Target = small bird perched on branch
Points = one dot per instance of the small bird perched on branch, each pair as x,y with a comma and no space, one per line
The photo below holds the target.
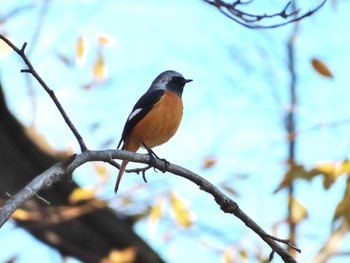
155,117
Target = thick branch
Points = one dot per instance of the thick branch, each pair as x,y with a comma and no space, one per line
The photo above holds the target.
41,182
56,172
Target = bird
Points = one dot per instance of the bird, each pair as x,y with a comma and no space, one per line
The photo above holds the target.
155,117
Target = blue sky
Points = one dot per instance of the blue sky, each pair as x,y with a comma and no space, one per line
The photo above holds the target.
233,109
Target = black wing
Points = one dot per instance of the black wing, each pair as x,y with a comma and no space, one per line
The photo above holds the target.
144,105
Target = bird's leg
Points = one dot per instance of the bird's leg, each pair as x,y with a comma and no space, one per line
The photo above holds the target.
153,157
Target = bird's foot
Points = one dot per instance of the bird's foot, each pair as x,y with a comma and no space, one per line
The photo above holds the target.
153,156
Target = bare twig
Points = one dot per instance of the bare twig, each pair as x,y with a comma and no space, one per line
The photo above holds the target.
254,21
31,70
56,172
285,241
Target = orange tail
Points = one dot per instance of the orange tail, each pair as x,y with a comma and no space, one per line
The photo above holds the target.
120,175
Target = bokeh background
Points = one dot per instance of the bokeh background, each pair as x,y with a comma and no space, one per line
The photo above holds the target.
100,56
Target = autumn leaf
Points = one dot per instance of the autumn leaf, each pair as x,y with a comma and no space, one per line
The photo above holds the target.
321,68
105,39
23,215
180,211
80,50
229,189
343,207
227,255
127,255
4,48
295,171
298,212
208,162
81,194
155,214
331,171
99,68
101,170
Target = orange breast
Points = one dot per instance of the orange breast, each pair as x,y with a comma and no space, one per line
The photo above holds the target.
160,124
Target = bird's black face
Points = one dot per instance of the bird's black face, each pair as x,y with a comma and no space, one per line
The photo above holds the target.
176,84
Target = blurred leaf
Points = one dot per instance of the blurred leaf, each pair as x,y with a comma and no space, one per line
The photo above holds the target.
299,211
105,39
64,59
343,208
227,255
229,189
89,85
243,254
99,68
101,170
127,255
155,214
81,194
180,211
295,171
321,68
80,50
208,162
23,215
4,48
331,171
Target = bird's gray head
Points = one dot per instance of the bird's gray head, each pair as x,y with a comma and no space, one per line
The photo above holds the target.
170,80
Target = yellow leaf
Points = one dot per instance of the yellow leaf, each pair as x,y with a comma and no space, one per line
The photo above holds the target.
345,167
23,215
331,171
99,69
104,39
155,215
180,211
80,50
321,68
343,208
127,255
243,254
227,255
101,170
208,162
299,211
4,48
81,194
295,171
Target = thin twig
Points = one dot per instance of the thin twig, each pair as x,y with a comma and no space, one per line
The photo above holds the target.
284,241
31,70
249,20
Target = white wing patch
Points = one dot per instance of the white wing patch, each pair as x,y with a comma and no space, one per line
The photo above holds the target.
134,113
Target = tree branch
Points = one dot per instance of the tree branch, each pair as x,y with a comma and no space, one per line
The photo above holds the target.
56,172
30,69
254,21
331,246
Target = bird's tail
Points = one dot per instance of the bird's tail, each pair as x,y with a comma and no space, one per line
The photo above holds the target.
120,175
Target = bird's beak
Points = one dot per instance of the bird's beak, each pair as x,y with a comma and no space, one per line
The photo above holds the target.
188,80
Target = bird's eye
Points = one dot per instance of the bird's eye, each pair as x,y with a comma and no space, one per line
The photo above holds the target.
176,79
